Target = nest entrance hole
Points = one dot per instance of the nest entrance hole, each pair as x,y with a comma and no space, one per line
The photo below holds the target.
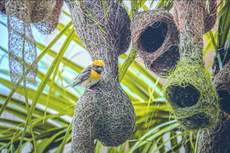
180,96
225,101
153,36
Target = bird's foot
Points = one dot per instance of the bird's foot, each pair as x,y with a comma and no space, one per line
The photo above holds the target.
93,91
101,79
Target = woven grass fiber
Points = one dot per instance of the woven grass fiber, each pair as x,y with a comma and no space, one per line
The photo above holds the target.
156,37
22,46
216,140
209,14
222,83
189,90
109,115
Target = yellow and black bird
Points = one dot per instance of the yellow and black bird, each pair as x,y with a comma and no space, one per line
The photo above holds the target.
89,76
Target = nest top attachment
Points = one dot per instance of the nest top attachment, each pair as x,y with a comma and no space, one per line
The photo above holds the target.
113,24
156,37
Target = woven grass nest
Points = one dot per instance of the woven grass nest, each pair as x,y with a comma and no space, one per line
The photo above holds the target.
156,37
189,90
191,94
44,15
222,83
109,116
216,140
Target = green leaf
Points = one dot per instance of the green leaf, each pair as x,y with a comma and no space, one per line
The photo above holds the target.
42,85
47,141
64,141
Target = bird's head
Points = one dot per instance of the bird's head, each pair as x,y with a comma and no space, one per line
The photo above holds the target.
98,66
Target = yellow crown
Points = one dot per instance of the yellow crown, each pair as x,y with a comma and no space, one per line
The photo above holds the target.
98,62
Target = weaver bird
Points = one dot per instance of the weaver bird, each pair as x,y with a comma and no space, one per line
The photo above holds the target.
89,76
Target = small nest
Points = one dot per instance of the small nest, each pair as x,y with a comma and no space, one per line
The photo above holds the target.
222,83
44,14
191,95
216,140
156,37
2,7
22,46
37,10
41,10
48,25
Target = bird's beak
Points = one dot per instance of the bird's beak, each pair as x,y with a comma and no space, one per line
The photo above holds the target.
101,68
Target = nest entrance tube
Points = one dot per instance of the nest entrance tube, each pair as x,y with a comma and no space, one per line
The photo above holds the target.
153,37
188,96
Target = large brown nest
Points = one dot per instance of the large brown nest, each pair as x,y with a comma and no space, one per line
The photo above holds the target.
108,116
216,140
156,37
222,83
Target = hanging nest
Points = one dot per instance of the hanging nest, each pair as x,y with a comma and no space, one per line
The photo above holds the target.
216,140
37,10
222,79
2,7
22,46
109,115
156,37
40,9
44,14
222,83
189,90
191,94
48,25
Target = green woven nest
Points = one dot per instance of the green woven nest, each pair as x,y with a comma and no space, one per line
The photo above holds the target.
191,94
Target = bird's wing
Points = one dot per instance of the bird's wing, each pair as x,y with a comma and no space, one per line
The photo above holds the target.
85,74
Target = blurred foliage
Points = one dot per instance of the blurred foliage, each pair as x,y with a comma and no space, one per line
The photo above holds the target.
48,129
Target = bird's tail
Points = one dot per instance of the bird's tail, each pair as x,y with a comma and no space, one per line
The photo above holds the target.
69,85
